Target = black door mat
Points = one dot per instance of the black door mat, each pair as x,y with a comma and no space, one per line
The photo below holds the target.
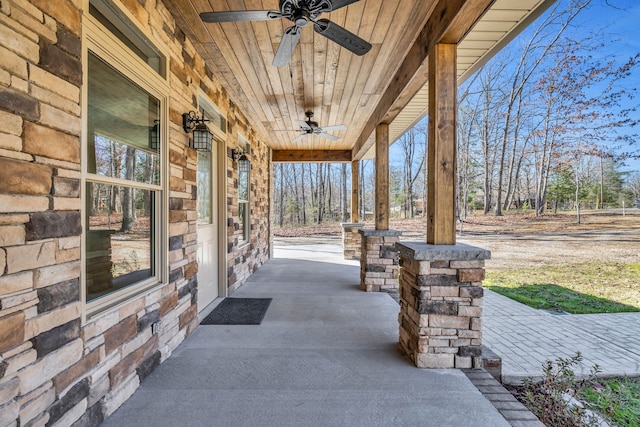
238,311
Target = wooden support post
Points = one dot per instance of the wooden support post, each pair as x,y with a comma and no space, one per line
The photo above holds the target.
355,191
382,177
441,172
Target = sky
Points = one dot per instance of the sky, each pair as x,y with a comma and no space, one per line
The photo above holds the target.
616,20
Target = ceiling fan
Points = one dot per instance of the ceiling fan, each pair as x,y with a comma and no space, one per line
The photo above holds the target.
300,12
309,127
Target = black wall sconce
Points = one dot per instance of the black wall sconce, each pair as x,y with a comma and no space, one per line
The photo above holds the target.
201,135
154,136
244,165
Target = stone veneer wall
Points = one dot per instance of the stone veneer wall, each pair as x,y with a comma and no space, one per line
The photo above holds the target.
351,240
379,260
441,304
244,258
55,368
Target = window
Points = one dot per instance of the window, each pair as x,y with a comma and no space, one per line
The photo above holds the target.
204,188
122,168
216,121
217,124
243,197
125,31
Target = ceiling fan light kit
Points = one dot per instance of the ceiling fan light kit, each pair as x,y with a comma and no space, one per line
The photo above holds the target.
300,12
309,127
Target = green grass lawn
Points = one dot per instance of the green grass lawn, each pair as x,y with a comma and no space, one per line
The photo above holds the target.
581,288
617,398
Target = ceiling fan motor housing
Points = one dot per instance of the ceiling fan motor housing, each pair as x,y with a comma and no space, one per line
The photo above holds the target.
300,12
303,11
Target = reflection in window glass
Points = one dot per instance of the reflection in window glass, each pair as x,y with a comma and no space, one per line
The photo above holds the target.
123,124
243,185
204,187
243,204
242,220
120,237
117,160
214,118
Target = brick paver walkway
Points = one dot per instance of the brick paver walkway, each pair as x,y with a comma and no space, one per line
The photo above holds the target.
525,337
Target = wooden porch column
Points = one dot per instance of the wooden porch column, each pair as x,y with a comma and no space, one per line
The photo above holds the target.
379,259
355,191
441,162
382,177
351,239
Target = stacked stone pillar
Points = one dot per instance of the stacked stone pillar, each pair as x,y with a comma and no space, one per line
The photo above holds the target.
379,260
441,304
351,241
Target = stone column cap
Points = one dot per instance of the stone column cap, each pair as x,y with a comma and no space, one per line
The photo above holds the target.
370,232
419,251
352,224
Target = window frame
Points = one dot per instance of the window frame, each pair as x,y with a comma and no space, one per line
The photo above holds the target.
98,40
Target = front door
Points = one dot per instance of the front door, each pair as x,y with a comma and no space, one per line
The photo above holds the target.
207,228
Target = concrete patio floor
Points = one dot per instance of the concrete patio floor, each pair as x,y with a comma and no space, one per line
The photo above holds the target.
325,354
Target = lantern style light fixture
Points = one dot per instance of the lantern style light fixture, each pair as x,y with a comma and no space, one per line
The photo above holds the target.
154,136
244,164
201,135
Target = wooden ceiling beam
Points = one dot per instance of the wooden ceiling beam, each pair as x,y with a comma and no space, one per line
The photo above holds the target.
449,22
311,156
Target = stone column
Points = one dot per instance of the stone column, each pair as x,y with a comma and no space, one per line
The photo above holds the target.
379,260
351,241
441,304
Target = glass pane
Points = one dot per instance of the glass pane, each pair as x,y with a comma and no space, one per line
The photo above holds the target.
216,119
118,160
243,185
123,125
120,238
204,187
242,219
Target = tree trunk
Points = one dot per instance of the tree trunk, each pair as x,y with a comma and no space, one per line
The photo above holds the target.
304,196
128,194
320,193
345,213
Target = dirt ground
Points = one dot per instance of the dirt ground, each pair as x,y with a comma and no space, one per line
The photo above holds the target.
522,240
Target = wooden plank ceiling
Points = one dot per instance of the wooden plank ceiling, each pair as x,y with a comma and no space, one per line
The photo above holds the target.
500,24
337,85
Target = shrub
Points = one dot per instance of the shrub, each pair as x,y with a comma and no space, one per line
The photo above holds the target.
552,400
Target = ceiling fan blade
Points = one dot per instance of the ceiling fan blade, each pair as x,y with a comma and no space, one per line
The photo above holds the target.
300,137
287,44
337,4
334,127
304,125
326,135
240,15
342,36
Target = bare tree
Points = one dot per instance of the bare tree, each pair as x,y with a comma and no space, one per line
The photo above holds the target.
413,146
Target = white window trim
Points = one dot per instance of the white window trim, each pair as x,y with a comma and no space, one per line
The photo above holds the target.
107,46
